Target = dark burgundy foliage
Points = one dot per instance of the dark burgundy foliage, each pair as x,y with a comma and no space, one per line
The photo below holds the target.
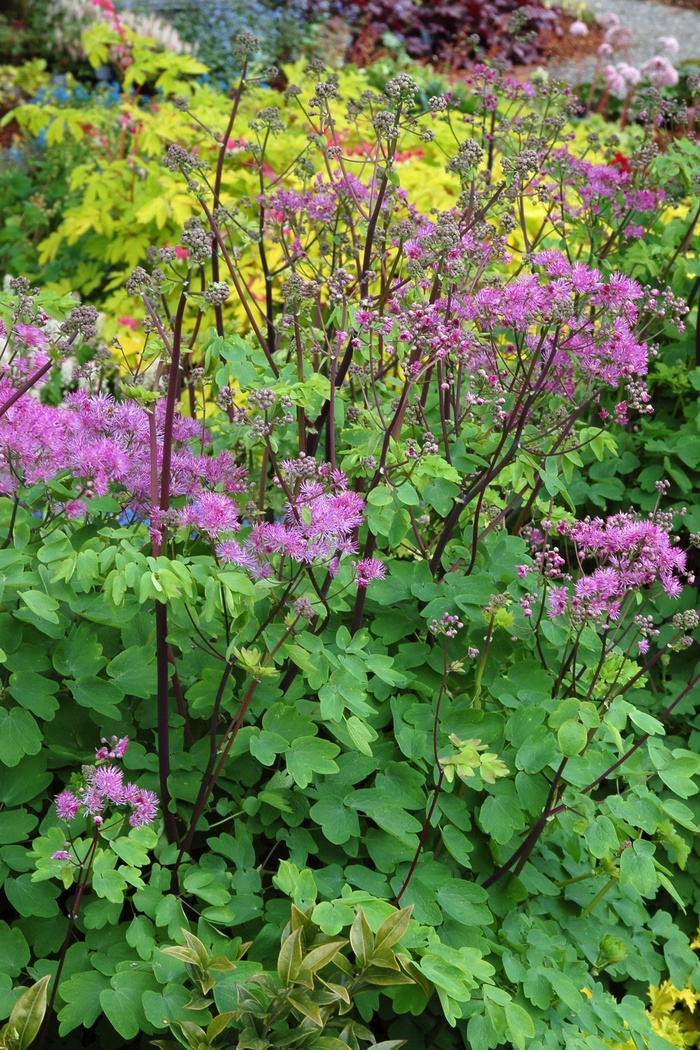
445,31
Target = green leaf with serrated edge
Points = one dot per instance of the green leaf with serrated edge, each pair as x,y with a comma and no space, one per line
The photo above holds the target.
28,1013
290,958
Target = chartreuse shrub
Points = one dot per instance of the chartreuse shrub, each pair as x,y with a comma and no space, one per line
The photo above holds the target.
330,716
95,196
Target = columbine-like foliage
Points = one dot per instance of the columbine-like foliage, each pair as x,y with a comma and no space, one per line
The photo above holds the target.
331,568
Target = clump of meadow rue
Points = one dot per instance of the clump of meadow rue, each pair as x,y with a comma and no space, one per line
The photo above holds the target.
381,675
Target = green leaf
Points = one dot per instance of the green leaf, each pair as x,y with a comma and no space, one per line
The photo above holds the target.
133,671
309,755
465,902
41,605
123,1002
637,867
266,746
677,774
81,994
35,693
78,653
572,737
32,898
24,782
19,735
131,852
14,950
207,887
106,882
28,1013
337,822
520,1024
501,818
98,695
15,825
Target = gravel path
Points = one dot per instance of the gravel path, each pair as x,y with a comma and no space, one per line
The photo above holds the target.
647,22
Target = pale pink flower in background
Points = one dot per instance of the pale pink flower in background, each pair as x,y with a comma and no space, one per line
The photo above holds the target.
614,81
660,71
670,44
618,37
630,73
605,51
578,29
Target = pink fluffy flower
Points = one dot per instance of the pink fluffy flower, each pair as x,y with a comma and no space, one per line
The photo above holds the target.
67,805
213,513
670,44
630,73
578,29
660,72
368,569
109,782
614,81
30,335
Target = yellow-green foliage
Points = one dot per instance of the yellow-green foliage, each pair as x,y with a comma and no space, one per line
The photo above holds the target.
122,200
20,82
674,1014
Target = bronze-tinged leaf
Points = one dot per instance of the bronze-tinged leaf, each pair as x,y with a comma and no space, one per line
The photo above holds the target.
338,990
194,1035
196,946
28,1013
301,918
185,955
361,939
386,980
317,958
416,975
290,958
385,958
218,1024
305,1006
393,928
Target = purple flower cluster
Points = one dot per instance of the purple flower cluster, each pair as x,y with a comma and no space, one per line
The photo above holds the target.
320,524
104,786
631,552
593,189
104,446
577,329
